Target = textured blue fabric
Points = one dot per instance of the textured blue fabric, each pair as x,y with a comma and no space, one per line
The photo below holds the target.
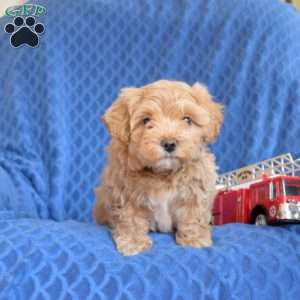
42,259
52,145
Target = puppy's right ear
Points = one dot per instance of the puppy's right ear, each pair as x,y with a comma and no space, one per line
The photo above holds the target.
215,110
117,117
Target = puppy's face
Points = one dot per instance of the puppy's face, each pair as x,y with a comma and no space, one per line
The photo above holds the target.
166,129
164,124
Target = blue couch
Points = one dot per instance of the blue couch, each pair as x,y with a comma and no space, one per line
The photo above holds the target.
52,145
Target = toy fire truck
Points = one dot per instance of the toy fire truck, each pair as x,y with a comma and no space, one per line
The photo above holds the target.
263,193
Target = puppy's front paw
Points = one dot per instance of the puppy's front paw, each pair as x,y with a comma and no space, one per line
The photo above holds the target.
195,237
192,241
132,246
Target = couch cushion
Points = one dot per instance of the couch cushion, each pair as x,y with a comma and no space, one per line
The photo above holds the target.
71,260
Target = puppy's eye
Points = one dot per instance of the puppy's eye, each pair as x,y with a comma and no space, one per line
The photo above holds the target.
146,121
188,120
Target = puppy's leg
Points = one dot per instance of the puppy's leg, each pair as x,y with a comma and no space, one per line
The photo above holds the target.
100,214
192,225
130,228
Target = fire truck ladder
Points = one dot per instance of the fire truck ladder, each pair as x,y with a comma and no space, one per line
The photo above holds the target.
279,165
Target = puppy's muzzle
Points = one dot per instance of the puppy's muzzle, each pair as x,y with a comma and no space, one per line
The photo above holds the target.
168,145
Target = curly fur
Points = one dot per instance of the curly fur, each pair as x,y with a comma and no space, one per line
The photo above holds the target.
144,187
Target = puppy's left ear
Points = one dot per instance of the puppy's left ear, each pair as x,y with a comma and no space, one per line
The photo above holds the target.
215,111
116,118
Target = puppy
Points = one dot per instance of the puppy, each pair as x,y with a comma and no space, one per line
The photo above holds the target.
160,174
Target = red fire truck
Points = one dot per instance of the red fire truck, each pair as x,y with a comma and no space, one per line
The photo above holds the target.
263,193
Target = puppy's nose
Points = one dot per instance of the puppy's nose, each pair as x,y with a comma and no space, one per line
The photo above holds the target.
168,145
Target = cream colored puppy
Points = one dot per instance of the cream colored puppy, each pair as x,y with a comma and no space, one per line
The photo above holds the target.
160,175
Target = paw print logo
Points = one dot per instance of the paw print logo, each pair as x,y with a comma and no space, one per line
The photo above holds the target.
24,32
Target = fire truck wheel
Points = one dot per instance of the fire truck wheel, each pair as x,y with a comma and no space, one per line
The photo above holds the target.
261,220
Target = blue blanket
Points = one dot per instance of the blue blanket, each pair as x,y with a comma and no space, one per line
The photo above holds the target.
52,144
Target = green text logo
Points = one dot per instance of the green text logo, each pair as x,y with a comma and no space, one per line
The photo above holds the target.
25,10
